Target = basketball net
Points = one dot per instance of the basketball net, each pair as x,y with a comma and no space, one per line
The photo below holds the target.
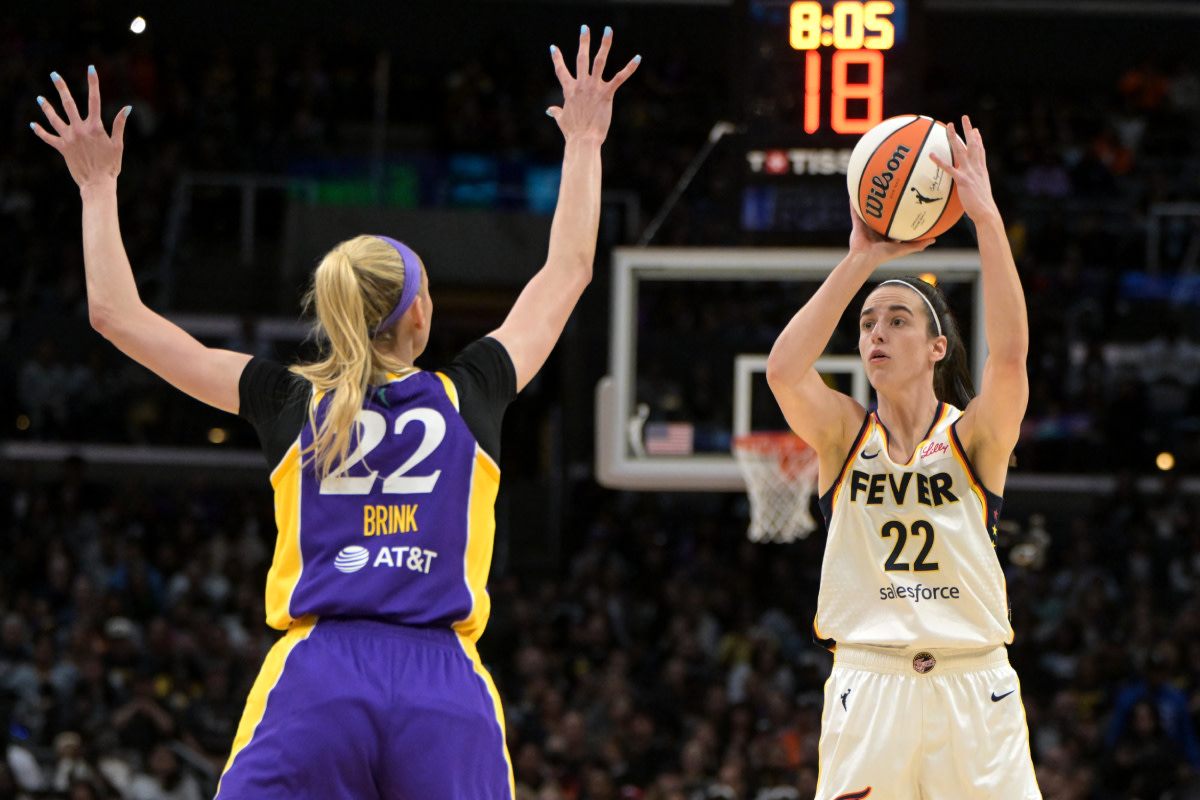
781,474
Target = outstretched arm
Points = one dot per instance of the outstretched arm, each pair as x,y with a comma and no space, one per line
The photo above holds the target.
537,319
821,416
116,310
991,424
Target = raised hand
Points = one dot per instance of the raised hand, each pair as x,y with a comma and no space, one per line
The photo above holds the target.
587,98
971,175
877,248
91,154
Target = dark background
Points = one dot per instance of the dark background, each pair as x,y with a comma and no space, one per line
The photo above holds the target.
642,646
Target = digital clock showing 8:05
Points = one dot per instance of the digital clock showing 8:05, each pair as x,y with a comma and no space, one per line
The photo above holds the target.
858,33
818,74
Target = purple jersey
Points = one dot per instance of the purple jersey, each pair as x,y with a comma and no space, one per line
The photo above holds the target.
402,530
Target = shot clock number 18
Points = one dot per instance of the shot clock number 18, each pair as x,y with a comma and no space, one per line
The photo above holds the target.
859,32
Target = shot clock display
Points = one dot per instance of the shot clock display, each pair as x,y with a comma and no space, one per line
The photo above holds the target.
857,32
818,75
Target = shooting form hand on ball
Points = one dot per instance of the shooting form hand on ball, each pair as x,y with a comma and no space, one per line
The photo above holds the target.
876,248
971,175
587,98
91,154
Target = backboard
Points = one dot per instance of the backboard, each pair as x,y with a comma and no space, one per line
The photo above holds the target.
690,329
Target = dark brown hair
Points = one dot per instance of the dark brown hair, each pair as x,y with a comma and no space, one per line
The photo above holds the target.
952,381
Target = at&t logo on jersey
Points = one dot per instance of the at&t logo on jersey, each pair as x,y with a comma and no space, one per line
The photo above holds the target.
352,559
355,557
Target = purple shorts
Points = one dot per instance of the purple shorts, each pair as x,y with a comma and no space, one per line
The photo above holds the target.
364,709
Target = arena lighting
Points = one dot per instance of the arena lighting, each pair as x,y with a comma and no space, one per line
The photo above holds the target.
217,435
138,25
929,278
1165,462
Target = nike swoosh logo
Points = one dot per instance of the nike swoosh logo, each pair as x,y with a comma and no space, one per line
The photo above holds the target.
870,455
997,699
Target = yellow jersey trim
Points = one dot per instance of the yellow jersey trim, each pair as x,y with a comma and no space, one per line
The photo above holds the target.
287,565
472,653
481,535
451,390
264,684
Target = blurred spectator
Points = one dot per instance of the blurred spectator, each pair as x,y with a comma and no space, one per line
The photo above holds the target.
166,779
141,722
1146,762
70,767
1152,710
44,391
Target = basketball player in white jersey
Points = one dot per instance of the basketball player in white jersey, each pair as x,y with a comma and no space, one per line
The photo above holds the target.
922,702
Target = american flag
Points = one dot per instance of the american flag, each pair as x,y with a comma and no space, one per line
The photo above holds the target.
669,438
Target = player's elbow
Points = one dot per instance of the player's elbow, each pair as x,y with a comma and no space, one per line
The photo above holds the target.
779,372
1009,361
583,268
101,319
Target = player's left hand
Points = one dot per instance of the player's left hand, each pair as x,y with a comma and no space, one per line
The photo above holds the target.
91,154
970,175
586,111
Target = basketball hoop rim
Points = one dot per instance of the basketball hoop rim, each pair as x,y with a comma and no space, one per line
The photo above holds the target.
793,458
770,442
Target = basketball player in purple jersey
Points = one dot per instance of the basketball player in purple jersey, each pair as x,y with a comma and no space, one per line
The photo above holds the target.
922,701
385,479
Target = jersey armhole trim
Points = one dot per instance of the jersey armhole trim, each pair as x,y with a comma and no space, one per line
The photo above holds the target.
825,501
451,390
990,501
286,461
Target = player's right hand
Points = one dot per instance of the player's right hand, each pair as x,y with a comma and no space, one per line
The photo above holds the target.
586,111
971,174
92,155
876,248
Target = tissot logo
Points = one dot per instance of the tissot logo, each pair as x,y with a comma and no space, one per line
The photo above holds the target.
799,161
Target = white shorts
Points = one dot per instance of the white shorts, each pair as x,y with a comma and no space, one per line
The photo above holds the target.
924,725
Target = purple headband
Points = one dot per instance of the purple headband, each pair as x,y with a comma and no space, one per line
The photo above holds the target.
412,283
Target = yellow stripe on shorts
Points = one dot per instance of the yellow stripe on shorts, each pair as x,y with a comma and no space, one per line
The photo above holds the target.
472,652
264,684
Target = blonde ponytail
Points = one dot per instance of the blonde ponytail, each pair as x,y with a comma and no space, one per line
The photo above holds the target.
354,288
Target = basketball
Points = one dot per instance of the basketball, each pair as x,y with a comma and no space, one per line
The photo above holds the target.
894,185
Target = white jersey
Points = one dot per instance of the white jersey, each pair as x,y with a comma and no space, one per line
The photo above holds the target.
910,559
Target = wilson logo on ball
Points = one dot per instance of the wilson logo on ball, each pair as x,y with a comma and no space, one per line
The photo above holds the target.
895,186
882,182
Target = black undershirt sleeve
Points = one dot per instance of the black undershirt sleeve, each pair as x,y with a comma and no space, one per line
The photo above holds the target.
275,401
486,380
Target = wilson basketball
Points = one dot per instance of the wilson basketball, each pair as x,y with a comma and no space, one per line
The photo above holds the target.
894,185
